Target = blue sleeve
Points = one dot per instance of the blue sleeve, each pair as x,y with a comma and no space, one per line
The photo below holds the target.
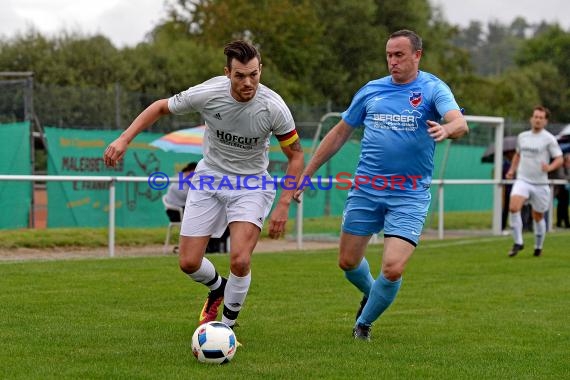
444,99
356,112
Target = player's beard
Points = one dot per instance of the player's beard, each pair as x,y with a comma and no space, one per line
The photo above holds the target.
247,93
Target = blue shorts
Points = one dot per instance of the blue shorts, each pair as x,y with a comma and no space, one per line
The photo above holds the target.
398,214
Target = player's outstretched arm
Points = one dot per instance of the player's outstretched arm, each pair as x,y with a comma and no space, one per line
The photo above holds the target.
117,149
514,166
555,164
330,144
455,126
280,215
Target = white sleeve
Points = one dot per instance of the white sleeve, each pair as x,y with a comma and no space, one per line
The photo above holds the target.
283,121
554,149
181,103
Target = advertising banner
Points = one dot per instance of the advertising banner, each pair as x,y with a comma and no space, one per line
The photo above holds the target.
15,197
86,203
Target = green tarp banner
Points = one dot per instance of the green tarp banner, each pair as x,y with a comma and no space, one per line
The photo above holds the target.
15,197
325,199
460,162
86,203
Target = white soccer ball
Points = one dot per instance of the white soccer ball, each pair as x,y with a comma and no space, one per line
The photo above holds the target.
214,342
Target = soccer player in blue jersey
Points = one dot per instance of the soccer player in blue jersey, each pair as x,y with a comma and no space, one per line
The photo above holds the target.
401,116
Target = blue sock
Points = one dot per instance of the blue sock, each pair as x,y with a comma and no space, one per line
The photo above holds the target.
381,296
361,277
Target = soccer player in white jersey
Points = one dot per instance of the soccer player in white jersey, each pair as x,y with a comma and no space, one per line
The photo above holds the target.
532,163
231,184
401,116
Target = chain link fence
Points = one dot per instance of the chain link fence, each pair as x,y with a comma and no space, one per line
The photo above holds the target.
115,108
107,109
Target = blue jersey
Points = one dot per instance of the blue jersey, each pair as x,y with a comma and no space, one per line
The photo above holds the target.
397,150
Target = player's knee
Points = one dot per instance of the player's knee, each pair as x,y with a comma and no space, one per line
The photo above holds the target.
347,263
188,264
514,208
393,272
240,264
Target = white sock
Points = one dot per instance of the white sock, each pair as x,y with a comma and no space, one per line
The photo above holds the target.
234,297
207,275
539,233
517,225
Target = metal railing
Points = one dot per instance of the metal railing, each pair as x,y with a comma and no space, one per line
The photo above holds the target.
112,180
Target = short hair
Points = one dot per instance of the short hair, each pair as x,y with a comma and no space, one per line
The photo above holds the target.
241,50
415,39
542,109
190,167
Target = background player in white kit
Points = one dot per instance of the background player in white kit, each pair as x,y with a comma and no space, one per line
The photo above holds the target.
532,163
240,114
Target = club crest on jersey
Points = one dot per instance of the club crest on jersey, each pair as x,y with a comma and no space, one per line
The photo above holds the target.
416,99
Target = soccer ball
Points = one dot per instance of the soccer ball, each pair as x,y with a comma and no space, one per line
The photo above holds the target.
214,342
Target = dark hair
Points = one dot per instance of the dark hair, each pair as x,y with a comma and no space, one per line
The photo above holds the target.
242,51
190,167
542,109
415,40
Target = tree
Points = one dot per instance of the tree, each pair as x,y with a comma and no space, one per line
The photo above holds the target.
29,51
546,56
317,50
551,45
519,28
354,48
404,14
499,49
492,48
287,32
470,38
167,66
66,59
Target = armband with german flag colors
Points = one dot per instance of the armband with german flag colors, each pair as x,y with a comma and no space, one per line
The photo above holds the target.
288,138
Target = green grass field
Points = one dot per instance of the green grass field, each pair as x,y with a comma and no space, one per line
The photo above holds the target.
130,237
465,311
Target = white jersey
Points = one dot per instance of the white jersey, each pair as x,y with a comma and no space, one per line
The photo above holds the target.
237,133
534,150
175,196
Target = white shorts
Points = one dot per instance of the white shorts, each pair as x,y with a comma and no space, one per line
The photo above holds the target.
217,199
538,195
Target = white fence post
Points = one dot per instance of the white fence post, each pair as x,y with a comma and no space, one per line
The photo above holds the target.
112,197
299,223
441,204
299,219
